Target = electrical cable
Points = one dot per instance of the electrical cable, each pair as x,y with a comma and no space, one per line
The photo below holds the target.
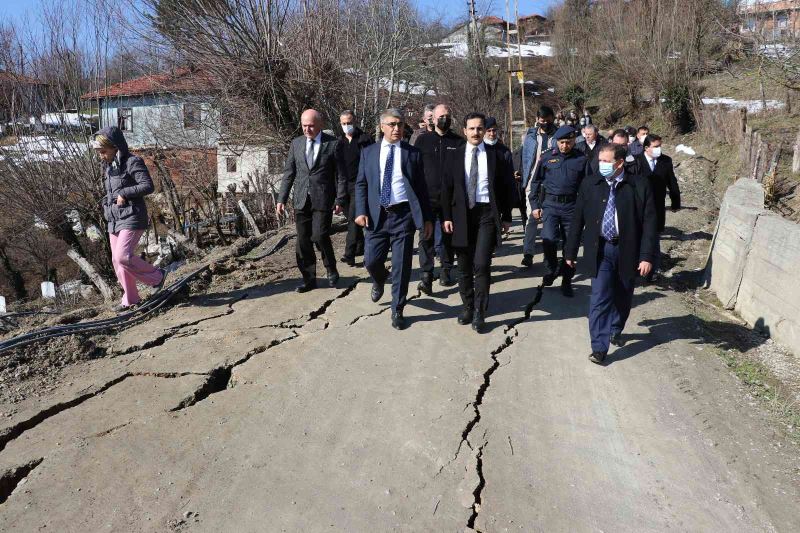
150,306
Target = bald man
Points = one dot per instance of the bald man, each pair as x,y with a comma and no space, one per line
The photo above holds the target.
311,169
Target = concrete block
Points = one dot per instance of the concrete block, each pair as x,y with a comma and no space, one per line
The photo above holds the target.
769,295
742,205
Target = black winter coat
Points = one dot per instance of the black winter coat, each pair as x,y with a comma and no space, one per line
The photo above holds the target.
662,178
435,150
454,191
636,216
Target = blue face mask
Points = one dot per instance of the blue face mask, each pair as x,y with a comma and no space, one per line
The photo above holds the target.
606,169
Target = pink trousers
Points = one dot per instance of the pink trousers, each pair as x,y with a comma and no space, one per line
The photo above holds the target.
129,267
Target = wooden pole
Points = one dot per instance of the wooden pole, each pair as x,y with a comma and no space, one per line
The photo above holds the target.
88,269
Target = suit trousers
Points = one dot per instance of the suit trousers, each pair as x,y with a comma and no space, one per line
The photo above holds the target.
394,231
475,261
313,228
610,303
427,248
556,221
354,245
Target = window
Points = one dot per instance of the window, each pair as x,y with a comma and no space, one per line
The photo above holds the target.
191,115
230,164
125,118
782,20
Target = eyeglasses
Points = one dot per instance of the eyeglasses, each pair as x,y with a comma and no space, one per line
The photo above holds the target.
392,125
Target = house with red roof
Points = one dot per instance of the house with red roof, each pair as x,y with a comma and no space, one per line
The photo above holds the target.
174,109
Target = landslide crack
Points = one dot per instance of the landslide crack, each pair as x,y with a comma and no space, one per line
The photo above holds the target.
11,478
321,310
221,378
9,434
476,504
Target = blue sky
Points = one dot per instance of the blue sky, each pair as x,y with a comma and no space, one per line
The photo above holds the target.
448,10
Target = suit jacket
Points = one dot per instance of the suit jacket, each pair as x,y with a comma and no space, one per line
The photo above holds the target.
592,155
662,178
320,181
368,185
454,191
636,219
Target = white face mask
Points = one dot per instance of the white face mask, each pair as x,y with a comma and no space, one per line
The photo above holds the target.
631,139
656,152
489,142
347,129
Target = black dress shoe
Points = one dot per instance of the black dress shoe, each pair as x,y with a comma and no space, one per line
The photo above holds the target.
349,261
597,357
478,323
527,260
446,279
333,278
566,289
549,278
465,317
398,322
377,291
425,286
307,286
617,340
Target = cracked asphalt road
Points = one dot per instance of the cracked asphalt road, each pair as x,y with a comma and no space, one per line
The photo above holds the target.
263,410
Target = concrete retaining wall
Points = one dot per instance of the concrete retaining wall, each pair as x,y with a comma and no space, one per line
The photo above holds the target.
755,264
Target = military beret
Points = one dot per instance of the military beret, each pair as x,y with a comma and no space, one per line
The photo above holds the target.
566,132
491,122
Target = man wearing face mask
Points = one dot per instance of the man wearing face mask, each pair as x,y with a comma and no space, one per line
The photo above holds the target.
659,170
348,154
436,147
553,195
427,124
491,137
538,141
615,215
636,147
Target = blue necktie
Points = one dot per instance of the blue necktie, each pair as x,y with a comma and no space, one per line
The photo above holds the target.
609,227
388,170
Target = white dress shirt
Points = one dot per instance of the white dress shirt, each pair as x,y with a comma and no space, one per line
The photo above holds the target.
317,144
482,193
399,194
650,161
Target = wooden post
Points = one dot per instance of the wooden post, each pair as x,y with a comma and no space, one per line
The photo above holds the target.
88,269
249,218
796,159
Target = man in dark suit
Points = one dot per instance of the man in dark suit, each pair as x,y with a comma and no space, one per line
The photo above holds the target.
391,203
311,169
476,202
348,154
659,170
590,145
615,215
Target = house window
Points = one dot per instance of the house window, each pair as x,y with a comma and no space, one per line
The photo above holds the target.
230,164
125,118
782,20
191,115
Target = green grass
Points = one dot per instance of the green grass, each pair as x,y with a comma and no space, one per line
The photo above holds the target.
763,385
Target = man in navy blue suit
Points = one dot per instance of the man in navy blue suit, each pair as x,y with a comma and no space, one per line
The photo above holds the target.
391,204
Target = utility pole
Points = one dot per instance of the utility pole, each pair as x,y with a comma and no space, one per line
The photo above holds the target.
514,74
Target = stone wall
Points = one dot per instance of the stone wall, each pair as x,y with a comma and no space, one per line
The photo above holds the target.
754,265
